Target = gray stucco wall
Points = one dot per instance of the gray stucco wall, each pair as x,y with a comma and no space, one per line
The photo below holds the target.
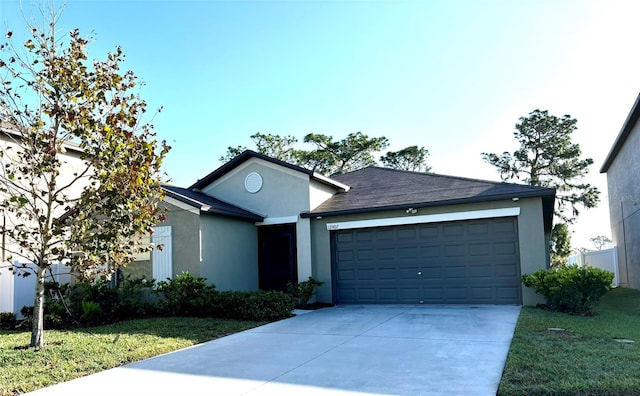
229,253
623,182
284,192
185,225
532,242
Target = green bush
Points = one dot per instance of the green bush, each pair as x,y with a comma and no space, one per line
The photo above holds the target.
136,299
8,320
571,289
185,295
303,291
91,312
257,306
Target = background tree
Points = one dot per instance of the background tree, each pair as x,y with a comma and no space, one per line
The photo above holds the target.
600,241
548,158
335,157
412,158
231,153
275,146
331,157
52,97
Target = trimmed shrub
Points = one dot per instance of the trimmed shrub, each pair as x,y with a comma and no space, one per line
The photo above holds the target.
572,289
136,298
8,321
185,295
303,291
259,306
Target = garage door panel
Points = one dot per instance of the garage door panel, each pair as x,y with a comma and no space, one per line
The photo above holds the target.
479,249
346,275
456,271
454,250
505,248
364,236
367,274
482,271
479,229
482,294
408,272
429,232
504,227
430,251
384,235
467,262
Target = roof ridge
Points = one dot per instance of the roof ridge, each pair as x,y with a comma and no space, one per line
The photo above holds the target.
440,175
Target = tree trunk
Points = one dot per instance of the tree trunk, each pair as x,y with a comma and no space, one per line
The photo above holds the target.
37,331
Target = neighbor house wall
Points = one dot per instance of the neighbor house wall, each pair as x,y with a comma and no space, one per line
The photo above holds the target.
532,242
229,253
623,182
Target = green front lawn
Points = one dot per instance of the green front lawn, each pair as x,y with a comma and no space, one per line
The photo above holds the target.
585,359
70,354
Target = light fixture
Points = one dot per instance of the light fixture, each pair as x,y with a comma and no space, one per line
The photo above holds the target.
412,211
515,199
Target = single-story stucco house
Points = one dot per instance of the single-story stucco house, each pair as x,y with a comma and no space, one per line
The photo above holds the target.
622,167
374,235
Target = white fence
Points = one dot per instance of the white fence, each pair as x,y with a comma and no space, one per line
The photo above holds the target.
18,291
606,259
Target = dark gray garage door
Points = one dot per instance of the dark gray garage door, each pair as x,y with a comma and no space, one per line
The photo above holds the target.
460,262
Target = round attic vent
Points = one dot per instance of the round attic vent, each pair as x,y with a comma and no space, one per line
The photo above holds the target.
253,182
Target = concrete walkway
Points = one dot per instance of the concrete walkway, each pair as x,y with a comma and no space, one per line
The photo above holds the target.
345,350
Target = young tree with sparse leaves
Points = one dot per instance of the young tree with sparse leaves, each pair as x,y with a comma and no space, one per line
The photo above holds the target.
412,158
51,98
547,157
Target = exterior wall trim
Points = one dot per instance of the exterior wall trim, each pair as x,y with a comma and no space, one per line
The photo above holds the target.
433,218
278,220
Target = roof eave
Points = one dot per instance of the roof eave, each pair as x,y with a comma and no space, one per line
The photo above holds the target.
240,158
547,194
204,208
627,127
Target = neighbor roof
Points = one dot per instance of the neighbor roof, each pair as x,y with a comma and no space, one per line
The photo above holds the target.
209,204
627,127
248,154
374,189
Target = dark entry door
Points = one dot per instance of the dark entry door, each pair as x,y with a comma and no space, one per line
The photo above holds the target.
277,261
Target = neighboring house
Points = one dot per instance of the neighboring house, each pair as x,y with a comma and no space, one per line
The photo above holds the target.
15,292
375,235
622,167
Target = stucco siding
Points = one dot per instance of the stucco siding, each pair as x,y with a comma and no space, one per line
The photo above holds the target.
624,208
185,225
532,243
229,253
284,192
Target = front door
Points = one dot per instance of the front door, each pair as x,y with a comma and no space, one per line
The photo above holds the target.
277,263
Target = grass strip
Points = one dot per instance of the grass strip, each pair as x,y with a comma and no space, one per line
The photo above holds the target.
585,358
74,353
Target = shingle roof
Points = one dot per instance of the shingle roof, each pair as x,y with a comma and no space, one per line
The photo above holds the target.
627,127
375,189
209,204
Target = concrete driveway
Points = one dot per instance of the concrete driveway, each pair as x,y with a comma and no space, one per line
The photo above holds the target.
345,350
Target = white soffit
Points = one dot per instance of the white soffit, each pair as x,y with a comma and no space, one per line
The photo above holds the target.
278,220
432,218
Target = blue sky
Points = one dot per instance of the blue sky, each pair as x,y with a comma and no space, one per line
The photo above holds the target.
452,76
